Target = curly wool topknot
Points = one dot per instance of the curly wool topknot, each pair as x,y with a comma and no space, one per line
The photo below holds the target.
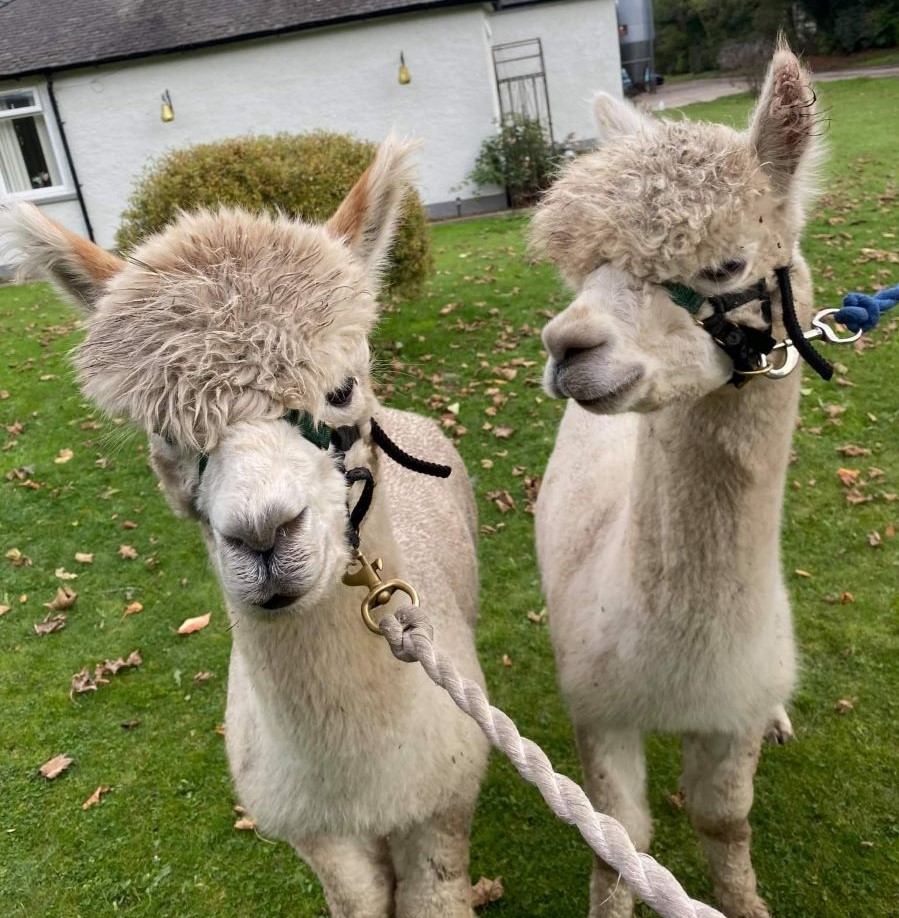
225,317
658,205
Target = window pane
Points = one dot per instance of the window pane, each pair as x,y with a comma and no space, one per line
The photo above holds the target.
26,156
23,99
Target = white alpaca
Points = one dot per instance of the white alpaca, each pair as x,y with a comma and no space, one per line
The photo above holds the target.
206,336
658,520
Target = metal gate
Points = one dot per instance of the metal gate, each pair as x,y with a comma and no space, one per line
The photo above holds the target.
521,82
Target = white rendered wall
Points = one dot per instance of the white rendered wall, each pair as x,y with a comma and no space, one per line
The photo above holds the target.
342,79
580,51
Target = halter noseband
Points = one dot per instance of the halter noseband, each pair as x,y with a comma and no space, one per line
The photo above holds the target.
324,437
748,347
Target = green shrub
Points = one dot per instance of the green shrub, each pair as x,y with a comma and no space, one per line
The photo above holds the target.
305,175
519,157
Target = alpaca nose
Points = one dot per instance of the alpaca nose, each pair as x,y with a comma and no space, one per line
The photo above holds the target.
261,534
567,337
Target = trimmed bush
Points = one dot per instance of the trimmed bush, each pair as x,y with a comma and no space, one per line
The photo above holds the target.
304,175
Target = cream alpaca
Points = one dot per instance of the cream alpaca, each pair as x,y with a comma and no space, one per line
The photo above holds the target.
205,337
658,520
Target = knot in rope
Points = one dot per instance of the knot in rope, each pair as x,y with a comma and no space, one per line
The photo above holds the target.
400,628
861,312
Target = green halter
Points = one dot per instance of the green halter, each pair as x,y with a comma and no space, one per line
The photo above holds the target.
685,297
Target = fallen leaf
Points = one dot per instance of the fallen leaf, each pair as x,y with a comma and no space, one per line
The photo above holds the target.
854,496
95,797
54,767
874,539
132,609
889,532
245,824
111,667
848,476
502,499
203,677
219,729
802,573
51,623
64,456
503,433
843,706
83,557
126,551
129,524
853,451
17,559
486,891
82,682
190,625
538,618
507,660
64,599
676,800
486,463
63,574
4,609
129,724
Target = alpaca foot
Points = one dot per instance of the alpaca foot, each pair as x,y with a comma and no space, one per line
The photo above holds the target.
756,909
779,730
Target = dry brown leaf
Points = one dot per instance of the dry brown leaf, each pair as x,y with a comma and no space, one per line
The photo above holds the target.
51,623
54,767
111,667
219,729
503,433
245,824
486,463
126,551
64,456
4,609
84,557
854,496
129,724
853,451
874,539
802,573
676,800
17,559
129,524
190,625
132,609
507,660
889,532
486,891
82,681
843,706
63,574
502,499
203,677
848,476
538,618
95,797
64,599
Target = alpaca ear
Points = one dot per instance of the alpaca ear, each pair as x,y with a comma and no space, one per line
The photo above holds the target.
785,126
42,248
617,118
368,215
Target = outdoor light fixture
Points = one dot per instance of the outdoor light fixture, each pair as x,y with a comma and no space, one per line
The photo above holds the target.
168,113
404,77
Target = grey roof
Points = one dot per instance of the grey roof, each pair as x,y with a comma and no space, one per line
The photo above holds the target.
41,35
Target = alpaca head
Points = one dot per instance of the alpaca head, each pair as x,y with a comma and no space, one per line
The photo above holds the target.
661,202
217,336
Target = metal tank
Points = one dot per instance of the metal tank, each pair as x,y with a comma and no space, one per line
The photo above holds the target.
635,35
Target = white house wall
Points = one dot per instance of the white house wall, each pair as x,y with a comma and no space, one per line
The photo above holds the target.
580,51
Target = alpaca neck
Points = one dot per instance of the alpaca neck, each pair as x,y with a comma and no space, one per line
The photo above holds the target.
708,487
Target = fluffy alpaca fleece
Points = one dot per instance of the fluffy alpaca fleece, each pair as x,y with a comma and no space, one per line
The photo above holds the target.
658,518
204,337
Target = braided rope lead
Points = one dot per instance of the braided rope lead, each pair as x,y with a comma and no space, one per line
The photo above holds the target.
411,639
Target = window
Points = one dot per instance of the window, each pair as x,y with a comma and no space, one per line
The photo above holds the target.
30,164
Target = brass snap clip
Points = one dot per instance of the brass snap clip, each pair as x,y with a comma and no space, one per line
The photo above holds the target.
379,591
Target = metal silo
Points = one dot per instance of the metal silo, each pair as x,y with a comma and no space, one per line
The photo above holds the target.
635,35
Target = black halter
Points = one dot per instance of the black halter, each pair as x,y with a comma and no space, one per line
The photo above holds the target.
342,438
746,346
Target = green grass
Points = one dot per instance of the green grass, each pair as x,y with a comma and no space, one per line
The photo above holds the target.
162,843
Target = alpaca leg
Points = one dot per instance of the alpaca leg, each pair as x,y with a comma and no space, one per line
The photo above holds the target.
431,863
717,783
615,777
779,729
355,873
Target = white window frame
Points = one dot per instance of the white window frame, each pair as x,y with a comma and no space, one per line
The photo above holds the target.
61,192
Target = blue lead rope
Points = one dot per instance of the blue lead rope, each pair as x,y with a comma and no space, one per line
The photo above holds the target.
861,312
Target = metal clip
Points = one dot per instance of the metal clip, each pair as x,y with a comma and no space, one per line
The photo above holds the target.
379,591
819,329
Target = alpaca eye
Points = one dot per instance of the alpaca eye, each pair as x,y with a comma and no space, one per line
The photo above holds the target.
341,397
723,272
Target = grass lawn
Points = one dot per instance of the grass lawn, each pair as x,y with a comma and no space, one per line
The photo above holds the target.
162,841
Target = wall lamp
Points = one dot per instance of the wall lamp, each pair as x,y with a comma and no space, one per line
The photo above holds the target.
168,112
405,78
